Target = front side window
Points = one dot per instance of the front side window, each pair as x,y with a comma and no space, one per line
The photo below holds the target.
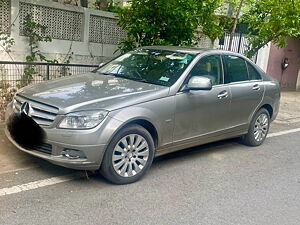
209,67
161,67
236,69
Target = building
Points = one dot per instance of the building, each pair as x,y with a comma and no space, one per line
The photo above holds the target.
288,77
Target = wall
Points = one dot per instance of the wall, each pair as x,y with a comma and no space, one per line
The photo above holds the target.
288,77
298,81
263,57
91,35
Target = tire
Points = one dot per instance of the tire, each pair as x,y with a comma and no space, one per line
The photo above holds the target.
258,129
128,156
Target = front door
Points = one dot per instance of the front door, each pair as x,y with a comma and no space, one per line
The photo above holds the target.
204,111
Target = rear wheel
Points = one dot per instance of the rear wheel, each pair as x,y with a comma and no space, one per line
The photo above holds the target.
258,129
128,156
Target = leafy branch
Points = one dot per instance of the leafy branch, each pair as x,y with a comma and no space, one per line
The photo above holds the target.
168,22
271,20
36,33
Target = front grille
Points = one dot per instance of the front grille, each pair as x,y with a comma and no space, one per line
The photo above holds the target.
41,113
44,148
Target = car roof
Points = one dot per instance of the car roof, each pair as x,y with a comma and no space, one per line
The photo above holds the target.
188,50
192,50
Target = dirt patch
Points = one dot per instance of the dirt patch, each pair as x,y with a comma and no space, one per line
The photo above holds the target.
289,111
10,157
6,96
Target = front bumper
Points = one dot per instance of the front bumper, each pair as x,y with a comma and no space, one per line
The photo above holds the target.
60,140
93,153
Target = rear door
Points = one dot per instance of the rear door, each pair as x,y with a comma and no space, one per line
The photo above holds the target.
246,89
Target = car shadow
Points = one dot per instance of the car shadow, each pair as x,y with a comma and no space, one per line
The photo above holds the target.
200,150
50,170
186,155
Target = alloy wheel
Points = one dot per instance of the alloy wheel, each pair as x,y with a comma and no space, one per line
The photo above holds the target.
130,155
261,127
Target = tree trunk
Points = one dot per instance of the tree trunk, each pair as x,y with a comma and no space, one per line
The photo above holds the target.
84,3
235,24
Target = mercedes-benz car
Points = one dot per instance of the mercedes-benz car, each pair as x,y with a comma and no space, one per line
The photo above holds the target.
144,103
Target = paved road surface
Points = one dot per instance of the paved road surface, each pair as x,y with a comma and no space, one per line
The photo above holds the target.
219,183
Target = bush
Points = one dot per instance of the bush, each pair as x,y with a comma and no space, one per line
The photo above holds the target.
6,96
6,93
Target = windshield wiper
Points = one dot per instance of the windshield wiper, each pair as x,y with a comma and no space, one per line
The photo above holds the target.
109,74
150,82
119,75
133,78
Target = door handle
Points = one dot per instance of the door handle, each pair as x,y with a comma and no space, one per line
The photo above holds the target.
256,87
223,94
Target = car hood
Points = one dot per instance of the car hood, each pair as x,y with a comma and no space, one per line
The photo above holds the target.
92,91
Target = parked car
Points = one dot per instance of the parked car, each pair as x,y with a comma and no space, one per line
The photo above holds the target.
145,103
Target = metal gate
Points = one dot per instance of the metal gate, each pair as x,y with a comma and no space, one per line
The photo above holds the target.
239,44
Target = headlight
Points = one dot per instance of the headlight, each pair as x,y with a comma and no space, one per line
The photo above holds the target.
83,119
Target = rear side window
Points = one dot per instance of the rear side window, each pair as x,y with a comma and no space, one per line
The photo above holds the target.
253,73
236,69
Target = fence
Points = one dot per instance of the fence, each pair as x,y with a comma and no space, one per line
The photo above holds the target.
11,73
91,36
239,44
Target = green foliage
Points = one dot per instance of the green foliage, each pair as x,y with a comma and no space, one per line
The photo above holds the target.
168,22
27,77
101,4
3,76
272,20
6,42
36,33
106,5
6,92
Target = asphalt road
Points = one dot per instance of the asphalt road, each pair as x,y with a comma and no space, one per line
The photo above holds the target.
218,183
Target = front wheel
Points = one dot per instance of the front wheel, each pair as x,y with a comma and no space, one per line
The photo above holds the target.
258,129
128,156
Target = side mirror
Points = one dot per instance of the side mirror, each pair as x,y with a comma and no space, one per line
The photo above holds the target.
199,83
101,64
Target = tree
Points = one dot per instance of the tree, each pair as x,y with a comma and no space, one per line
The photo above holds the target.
84,3
6,42
168,22
236,18
272,20
101,4
107,5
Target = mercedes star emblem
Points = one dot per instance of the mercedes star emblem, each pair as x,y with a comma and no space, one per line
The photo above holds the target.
26,109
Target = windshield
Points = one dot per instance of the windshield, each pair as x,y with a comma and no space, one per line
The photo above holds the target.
154,66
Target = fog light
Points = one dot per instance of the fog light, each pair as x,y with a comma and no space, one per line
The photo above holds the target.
73,154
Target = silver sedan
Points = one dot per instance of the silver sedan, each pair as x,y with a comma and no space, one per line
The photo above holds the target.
145,103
